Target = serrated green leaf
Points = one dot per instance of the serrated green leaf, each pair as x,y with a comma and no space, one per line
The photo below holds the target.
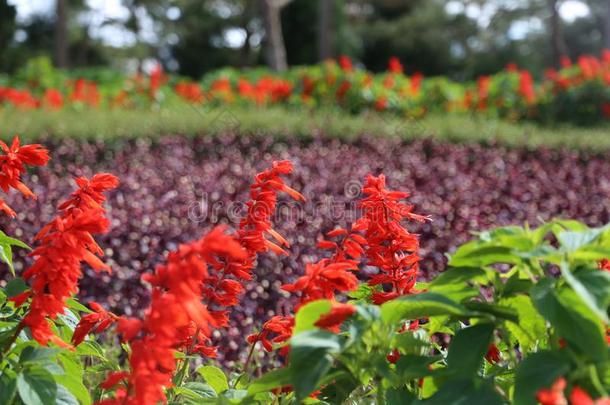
531,327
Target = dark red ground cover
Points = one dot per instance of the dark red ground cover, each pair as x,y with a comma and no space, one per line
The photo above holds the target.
176,188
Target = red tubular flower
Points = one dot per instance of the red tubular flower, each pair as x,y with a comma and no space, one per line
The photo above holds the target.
98,321
276,330
113,379
526,87
604,264
338,314
578,396
390,247
12,165
53,99
65,242
394,65
493,354
199,275
553,395
176,316
346,63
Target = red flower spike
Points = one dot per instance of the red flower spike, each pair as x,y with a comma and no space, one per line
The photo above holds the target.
390,247
98,321
199,275
65,243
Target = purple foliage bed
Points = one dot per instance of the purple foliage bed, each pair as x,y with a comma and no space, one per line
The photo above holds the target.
175,188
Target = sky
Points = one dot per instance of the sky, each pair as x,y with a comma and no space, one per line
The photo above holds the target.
114,35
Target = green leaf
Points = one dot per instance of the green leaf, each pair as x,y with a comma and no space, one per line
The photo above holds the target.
196,393
6,251
310,359
465,392
495,310
398,396
419,306
235,396
585,295
539,370
467,349
8,388
6,256
574,240
15,287
531,326
215,377
411,367
309,314
273,379
414,342
77,306
7,240
571,318
203,390
72,378
65,397
477,254
36,386
455,275
598,284
37,354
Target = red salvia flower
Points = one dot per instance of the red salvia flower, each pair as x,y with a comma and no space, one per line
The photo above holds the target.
276,330
394,65
578,396
98,321
199,275
12,164
493,354
65,242
346,63
338,314
553,395
390,247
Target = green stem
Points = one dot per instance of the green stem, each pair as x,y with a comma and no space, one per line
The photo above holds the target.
596,381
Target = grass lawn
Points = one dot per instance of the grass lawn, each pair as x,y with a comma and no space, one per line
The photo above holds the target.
282,122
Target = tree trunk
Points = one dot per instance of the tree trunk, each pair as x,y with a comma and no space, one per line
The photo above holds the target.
558,45
325,30
275,52
606,24
61,33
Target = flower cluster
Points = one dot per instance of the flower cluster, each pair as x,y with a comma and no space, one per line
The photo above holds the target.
555,395
391,248
176,317
191,292
12,165
385,243
65,243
